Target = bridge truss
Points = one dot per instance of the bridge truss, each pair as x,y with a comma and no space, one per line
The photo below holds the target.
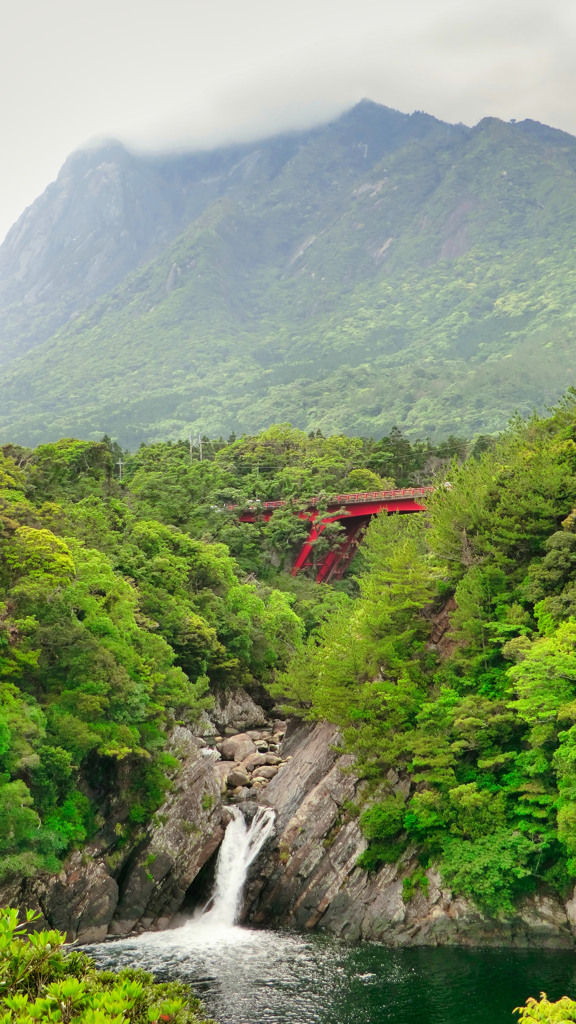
353,511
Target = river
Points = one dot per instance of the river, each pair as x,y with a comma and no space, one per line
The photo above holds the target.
265,977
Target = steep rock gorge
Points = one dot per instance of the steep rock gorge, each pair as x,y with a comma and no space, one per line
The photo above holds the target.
305,878
123,881
109,889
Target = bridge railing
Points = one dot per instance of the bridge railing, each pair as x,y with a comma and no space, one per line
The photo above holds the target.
356,498
362,496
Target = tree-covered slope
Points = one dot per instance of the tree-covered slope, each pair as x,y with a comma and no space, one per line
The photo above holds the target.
113,627
127,605
110,211
383,269
451,659
456,667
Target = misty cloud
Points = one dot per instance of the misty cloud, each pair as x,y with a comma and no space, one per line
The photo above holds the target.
182,73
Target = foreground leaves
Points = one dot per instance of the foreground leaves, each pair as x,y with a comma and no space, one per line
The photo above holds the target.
544,1012
40,982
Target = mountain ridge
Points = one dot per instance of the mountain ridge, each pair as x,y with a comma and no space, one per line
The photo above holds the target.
384,268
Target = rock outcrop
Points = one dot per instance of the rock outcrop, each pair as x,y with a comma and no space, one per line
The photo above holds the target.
250,760
236,748
80,900
238,711
310,878
186,831
115,887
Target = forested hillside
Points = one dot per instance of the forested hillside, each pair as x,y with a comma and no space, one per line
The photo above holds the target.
125,605
113,627
456,668
382,270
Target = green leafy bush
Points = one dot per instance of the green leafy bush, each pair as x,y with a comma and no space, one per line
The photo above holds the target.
383,819
542,1011
39,981
417,880
492,870
380,852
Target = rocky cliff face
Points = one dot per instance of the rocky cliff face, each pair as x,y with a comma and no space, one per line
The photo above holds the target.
310,879
107,889
187,830
114,889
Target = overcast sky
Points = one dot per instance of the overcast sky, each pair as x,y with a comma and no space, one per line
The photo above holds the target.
180,73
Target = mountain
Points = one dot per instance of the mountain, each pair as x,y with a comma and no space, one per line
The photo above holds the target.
382,269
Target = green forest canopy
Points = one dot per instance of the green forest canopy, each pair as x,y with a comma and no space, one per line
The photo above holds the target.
124,605
482,719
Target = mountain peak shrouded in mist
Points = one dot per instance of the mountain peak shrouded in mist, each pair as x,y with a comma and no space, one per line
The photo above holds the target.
381,268
111,208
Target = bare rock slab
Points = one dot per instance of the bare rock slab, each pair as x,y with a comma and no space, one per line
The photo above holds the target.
187,830
237,710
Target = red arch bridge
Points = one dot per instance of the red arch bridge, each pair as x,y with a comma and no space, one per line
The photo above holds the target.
353,511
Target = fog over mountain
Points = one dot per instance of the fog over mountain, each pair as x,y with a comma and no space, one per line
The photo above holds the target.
380,269
182,74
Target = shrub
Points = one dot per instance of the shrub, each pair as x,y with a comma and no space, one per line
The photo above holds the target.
381,824
383,820
41,982
544,1012
380,852
492,870
417,880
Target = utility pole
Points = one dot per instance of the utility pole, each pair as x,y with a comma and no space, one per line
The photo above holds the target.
120,464
191,440
200,446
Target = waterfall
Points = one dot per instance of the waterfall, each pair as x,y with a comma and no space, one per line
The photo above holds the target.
209,929
240,846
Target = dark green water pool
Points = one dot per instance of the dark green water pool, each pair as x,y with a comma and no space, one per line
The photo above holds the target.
266,977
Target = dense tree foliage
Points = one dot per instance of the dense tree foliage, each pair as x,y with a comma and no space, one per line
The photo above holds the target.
129,593
114,625
456,667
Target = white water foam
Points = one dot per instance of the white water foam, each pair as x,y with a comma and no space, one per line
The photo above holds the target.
240,847
215,925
